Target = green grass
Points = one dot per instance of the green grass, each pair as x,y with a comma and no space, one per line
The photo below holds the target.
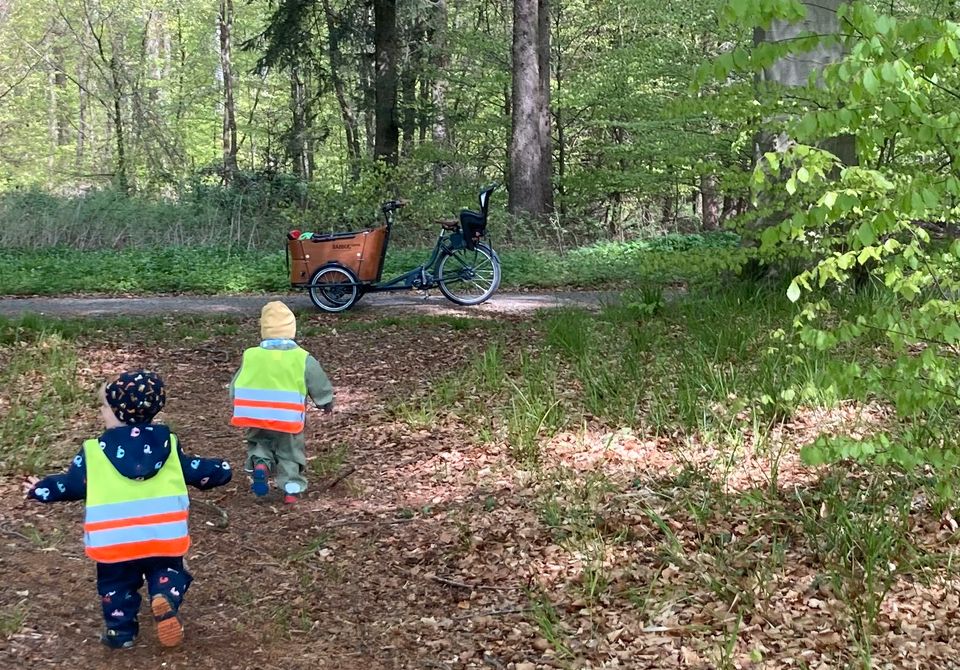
710,364
213,270
40,386
39,381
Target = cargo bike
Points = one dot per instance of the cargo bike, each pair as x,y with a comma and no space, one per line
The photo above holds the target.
337,269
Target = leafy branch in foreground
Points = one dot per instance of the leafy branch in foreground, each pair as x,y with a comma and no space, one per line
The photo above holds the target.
886,225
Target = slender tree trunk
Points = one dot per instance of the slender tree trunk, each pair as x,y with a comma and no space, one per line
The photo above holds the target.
229,134
408,89
123,182
526,147
546,140
709,202
297,142
52,114
83,126
560,74
60,86
347,115
368,86
386,144
440,132
181,68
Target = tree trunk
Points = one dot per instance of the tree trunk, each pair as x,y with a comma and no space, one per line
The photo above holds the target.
526,146
122,180
229,134
709,202
83,126
386,143
347,115
560,74
297,142
408,89
440,133
60,86
795,70
546,140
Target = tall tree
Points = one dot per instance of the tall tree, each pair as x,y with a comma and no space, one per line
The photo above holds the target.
795,69
546,138
440,62
387,140
229,135
337,77
529,100
298,142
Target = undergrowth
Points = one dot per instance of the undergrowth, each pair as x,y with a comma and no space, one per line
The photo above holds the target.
718,370
212,270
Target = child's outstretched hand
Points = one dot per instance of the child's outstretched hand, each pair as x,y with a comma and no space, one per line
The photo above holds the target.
29,484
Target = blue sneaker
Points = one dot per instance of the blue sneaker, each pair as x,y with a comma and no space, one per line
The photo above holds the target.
261,480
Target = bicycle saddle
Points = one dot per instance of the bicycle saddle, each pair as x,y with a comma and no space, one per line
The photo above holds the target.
448,224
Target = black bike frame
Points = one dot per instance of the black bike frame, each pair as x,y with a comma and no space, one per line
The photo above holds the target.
421,277
418,275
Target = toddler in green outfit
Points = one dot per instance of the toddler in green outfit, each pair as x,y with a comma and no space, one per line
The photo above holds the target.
269,393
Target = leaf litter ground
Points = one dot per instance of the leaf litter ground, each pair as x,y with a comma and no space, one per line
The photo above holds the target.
437,550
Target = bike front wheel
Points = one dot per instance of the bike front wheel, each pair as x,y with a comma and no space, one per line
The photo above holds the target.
334,288
469,276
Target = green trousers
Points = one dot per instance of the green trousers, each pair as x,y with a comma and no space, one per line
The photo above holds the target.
284,453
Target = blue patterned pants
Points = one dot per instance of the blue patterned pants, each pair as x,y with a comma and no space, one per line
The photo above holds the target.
119,587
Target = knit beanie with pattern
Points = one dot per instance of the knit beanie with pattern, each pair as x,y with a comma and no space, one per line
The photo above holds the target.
277,322
136,397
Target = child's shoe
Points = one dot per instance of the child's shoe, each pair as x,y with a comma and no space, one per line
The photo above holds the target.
291,493
111,638
169,626
261,480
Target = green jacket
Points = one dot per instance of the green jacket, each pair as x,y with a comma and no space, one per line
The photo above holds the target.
318,384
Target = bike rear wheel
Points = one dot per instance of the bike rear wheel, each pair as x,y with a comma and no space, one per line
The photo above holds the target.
342,292
469,276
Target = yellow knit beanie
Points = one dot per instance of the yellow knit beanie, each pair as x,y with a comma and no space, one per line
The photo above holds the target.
277,322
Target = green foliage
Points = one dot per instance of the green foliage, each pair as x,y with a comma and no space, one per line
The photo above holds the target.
631,141
887,223
56,271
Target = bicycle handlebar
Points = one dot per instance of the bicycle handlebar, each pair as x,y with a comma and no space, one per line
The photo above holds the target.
392,205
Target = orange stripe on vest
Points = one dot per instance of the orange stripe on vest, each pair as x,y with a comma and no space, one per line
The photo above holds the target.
136,550
279,426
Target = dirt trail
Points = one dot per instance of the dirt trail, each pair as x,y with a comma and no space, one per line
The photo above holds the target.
249,305
346,580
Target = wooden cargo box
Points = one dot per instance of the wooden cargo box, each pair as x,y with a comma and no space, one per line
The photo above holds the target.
361,251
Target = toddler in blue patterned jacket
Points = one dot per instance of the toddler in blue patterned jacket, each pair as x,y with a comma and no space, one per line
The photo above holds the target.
133,478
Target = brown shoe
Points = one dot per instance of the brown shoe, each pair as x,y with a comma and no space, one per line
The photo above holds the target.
169,627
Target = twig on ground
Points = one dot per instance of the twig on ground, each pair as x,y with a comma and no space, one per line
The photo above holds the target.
344,473
464,585
499,612
493,661
224,520
14,533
